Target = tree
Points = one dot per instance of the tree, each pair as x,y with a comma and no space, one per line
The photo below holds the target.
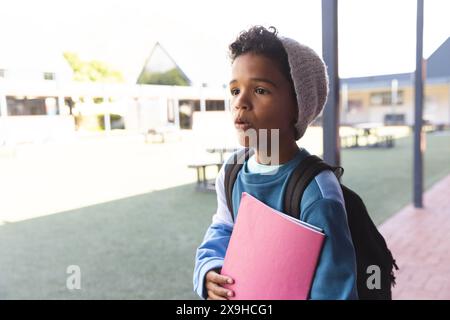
94,70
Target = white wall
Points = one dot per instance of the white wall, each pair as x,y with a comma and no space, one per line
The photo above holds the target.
31,129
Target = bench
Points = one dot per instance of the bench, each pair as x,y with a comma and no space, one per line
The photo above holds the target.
159,134
221,151
380,141
349,141
385,140
203,183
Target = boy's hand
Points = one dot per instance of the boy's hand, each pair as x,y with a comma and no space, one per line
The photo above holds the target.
214,282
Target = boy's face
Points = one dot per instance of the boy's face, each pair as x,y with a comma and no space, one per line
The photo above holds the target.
262,98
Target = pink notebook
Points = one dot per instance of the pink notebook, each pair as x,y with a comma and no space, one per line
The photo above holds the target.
271,256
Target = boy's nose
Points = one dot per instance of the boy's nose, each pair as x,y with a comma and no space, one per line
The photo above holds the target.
241,106
241,102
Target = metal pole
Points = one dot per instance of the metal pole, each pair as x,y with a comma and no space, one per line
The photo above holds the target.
176,107
226,100
106,108
3,101
394,96
330,123
61,102
202,99
345,103
448,105
418,116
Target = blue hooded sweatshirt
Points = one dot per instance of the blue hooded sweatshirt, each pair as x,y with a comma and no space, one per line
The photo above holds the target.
322,205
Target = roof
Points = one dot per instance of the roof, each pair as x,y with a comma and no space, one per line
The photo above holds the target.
437,68
159,62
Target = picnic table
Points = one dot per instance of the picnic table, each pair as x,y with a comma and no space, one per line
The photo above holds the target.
203,183
370,134
221,151
159,134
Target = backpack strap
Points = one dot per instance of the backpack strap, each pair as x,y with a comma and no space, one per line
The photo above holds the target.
232,168
303,174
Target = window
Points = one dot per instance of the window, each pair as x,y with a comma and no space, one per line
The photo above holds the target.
354,106
384,98
49,76
214,105
23,106
195,104
394,119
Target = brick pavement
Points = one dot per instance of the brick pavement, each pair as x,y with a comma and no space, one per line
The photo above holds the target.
420,242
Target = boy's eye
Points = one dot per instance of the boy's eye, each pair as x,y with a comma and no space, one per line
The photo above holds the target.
261,91
234,92
257,90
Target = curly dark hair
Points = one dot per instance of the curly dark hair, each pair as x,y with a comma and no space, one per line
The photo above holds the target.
260,40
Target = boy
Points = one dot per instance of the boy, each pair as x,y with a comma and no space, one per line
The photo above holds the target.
278,84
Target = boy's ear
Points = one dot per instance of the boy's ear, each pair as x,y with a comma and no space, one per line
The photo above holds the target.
295,119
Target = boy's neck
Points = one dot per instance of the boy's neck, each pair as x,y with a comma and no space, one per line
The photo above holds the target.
286,153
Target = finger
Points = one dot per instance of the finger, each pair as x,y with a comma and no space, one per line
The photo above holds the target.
218,290
214,296
220,279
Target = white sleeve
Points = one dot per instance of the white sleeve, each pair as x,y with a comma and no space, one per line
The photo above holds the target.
222,215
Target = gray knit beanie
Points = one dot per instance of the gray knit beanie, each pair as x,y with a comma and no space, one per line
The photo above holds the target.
309,75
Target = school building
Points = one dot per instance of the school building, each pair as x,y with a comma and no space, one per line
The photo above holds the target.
36,95
389,99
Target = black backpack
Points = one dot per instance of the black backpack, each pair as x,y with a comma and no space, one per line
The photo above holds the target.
370,246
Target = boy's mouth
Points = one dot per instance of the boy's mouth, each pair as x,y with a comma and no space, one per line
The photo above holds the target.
242,124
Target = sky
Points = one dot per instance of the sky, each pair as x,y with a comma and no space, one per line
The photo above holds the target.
375,36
